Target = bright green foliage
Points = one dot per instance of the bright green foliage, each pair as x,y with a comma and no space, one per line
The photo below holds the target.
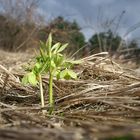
30,78
52,62
67,74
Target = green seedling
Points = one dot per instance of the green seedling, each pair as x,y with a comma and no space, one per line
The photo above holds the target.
52,62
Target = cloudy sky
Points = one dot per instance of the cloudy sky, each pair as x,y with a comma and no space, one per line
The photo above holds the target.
96,15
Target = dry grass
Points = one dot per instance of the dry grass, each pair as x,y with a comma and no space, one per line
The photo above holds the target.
103,103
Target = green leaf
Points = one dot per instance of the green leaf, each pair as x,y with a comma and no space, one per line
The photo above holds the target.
67,65
58,60
67,74
56,73
72,74
63,47
59,54
52,64
55,47
37,68
42,46
46,69
42,53
62,74
38,65
32,78
25,80
49,44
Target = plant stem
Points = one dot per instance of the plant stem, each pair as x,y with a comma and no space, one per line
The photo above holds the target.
41,92
51,102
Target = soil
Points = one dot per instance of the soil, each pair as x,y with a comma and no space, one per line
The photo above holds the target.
102,104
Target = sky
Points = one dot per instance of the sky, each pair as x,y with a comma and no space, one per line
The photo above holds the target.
97,15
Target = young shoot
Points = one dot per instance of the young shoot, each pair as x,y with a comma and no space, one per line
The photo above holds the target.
53,63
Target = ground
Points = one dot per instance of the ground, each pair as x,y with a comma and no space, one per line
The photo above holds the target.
102,104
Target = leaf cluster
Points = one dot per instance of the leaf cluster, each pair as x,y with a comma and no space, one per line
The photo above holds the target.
51,61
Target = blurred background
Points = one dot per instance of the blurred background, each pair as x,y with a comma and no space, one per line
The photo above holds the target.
89,26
